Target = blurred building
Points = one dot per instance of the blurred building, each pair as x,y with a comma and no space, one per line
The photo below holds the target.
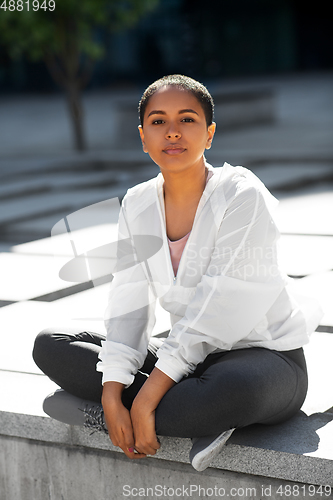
208,40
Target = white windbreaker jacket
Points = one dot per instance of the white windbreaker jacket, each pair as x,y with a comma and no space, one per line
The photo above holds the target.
229,292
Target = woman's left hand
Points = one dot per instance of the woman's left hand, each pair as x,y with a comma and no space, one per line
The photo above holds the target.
143,411
143,422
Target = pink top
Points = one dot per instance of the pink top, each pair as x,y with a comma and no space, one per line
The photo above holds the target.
176,247
176,250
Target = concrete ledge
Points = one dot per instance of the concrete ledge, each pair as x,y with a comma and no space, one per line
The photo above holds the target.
287,452
32,470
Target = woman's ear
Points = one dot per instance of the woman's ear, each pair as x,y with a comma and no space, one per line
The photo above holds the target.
211,132
142,137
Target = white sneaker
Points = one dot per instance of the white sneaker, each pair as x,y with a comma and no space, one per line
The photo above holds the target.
205,449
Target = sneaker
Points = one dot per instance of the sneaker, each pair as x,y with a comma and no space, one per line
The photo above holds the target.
71,410
205,449
94,418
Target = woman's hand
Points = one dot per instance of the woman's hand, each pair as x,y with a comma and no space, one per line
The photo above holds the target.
143,421
134,432
118,419
143,411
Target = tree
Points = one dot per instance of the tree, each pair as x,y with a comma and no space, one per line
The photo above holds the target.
62,33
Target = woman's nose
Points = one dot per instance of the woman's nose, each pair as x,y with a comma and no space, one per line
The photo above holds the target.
173,132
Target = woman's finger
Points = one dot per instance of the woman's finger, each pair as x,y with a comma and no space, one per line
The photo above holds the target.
133,454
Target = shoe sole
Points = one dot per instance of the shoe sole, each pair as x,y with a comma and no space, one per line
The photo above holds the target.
203,459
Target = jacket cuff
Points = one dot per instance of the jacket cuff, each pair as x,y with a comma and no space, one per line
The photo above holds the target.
171,368
115,375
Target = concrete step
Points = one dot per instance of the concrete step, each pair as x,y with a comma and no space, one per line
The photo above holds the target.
23,393
291,176
93,221
318,354
29,276
320,286
81,466
49,181
62,160
22,321
302,255
63,203
307,211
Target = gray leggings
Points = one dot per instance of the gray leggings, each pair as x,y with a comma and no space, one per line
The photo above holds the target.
229,389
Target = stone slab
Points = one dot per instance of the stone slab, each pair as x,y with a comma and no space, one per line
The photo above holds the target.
89,304
69,234
23,185
20,323
61,160
278,141
81,474
318,354
5,247
66,201
240,458
302,255
320,286
308,211
24,392
307,435
28,276
24,320
83,240
87,309
244,108
292,175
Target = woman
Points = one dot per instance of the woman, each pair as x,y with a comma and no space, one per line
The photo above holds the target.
233,356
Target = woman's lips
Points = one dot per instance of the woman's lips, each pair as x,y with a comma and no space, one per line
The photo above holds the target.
173,150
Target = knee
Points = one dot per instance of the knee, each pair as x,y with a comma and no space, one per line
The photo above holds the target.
42,346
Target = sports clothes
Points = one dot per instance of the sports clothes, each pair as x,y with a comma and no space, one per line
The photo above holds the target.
229,292
229,389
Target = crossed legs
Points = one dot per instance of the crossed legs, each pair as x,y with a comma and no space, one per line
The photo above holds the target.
229,389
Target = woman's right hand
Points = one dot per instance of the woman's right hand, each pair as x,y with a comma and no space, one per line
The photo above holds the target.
118,419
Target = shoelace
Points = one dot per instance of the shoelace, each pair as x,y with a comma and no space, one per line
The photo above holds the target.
94,419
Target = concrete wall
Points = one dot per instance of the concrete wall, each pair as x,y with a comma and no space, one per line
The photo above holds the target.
35,470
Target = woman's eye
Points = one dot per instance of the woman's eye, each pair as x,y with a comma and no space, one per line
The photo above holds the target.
187,120
157,122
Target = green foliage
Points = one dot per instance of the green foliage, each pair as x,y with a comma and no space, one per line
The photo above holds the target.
71,26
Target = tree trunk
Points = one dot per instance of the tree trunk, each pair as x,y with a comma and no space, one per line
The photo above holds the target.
75,107
72,84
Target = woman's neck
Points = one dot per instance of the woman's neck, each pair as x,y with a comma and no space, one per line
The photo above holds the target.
187,186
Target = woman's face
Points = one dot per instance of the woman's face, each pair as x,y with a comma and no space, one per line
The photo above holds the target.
175,132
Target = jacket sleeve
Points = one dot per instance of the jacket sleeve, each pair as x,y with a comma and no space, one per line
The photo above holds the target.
130,314
239,286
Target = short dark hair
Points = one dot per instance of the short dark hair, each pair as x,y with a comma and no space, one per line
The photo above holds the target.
182,82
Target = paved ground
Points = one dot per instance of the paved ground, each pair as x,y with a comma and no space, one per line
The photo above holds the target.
42,180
